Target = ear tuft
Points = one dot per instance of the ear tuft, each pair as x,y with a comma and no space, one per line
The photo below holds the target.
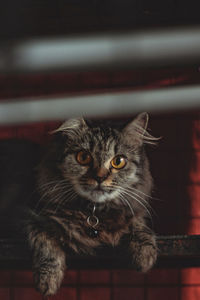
136,131
70,125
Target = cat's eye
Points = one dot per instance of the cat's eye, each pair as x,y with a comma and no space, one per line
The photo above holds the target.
83,158
118,162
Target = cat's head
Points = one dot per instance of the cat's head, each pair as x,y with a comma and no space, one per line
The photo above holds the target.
101,161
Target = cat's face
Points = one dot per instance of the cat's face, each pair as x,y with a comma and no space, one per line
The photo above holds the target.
99,161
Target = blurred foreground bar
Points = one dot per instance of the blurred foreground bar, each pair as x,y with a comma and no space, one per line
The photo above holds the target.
155,48
16,111
174,251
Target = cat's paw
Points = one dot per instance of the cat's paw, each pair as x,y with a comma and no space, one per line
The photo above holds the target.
145,257
48,281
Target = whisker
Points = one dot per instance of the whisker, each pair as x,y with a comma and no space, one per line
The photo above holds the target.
52,183
134,193
50,192
49,187
133,196
140,197
148,196
138,201
124,200
146,202
72,196
140,192
53,200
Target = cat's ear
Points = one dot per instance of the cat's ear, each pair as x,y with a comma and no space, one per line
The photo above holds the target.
136,131
71,126
140,124
141,121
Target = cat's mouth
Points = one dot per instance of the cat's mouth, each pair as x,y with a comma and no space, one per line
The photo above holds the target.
99,192
99,189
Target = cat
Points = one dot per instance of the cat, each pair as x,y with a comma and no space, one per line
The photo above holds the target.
93,188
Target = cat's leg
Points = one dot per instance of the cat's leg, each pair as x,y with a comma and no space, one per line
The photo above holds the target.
48,264
47,255
143,246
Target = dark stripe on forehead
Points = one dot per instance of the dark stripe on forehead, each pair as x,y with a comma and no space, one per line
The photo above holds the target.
91,142
100,146
116,148
100,138
109,143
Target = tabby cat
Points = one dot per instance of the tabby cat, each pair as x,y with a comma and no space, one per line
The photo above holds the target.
93,187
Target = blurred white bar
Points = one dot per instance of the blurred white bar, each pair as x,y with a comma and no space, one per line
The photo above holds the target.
137,49
99,105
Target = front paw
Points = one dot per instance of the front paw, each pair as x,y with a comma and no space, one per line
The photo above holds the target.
48,280
144,257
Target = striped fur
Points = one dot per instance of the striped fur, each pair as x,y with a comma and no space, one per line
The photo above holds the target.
68,190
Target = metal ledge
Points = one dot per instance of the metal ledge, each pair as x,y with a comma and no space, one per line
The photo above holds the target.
174,251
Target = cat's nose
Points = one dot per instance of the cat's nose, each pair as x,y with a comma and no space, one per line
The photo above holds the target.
100,179
101,175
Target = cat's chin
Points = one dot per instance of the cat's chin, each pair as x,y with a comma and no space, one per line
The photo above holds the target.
99,196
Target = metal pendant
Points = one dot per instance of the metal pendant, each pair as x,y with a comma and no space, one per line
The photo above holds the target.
92,232
93,221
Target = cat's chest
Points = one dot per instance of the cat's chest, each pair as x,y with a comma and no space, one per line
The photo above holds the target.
86,231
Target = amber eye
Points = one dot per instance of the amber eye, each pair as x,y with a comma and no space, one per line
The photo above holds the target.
118,162
83,158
